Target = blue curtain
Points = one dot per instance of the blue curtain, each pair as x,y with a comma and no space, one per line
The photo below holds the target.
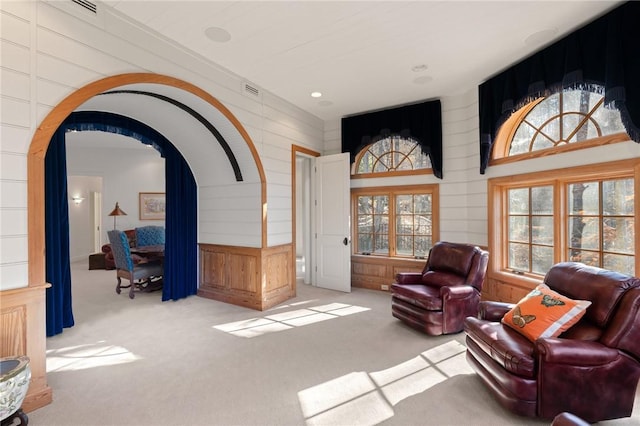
181,251
58,262
603,55
181,254
181,245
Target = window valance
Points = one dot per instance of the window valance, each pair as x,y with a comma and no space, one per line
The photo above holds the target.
603,56
422,122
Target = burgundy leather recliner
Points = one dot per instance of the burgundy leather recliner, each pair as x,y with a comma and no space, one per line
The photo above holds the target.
590,370
437,300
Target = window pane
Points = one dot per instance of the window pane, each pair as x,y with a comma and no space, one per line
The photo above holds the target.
365,204
609,120
519,201
381,224
383,164
551,131
381,204
541,142
365,243
542,230
618,197
404,224
584,198
584,232
545,109
519,228
619,263
422,225
404,204
422,245
522,139
542,259
519,256
366,163
381,244
587,257
618,235
542,200
422,203
404,245
365,223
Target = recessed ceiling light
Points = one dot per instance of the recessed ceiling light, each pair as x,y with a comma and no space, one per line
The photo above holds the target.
419,68
316,94
217,34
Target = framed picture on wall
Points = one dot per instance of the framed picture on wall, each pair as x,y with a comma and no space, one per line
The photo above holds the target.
152,205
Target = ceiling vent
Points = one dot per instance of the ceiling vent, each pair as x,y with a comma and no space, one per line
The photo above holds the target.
91,7
251,90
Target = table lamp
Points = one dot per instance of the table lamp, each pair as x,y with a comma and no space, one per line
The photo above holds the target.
116,212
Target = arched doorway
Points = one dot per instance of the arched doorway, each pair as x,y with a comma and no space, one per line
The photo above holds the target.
42,136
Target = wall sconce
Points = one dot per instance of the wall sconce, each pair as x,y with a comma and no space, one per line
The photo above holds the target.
77,200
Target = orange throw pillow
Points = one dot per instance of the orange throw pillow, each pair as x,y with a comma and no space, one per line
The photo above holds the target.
544,313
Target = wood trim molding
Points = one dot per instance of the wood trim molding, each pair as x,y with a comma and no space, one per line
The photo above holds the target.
43,134
39,393
295,150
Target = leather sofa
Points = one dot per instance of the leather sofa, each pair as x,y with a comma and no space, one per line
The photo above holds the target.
437,300
591,370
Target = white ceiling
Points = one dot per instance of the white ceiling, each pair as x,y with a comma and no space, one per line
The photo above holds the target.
360,54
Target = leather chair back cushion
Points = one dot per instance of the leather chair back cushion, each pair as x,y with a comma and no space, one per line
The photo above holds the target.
441,279
454,258
624,331
604,290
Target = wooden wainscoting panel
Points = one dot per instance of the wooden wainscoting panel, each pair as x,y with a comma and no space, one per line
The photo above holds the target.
505,290
212,268
279,279
377,273
22,328
13,330
244,272
257,278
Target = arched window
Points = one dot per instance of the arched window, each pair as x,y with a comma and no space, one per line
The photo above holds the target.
394,221
392,154
585,213
568,120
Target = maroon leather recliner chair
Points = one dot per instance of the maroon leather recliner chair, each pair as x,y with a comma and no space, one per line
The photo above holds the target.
591,370
437,300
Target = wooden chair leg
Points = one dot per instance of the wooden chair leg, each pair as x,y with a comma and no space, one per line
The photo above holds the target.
131,293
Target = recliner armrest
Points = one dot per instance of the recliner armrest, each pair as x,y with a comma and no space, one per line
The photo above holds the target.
493,311
575,352
409,278
457,292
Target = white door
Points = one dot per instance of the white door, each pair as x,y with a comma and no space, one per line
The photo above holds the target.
96,220
332,266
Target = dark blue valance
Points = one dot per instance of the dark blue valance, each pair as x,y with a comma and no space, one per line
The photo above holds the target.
603,56
422,122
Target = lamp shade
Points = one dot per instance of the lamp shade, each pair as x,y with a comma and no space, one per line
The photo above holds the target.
117,211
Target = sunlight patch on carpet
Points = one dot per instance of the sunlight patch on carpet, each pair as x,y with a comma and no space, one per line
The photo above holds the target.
361,398
82,357
272,323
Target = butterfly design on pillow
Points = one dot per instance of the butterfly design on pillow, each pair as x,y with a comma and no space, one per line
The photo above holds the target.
521,320
550,301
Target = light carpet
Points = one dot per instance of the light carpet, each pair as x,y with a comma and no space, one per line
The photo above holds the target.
322,358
